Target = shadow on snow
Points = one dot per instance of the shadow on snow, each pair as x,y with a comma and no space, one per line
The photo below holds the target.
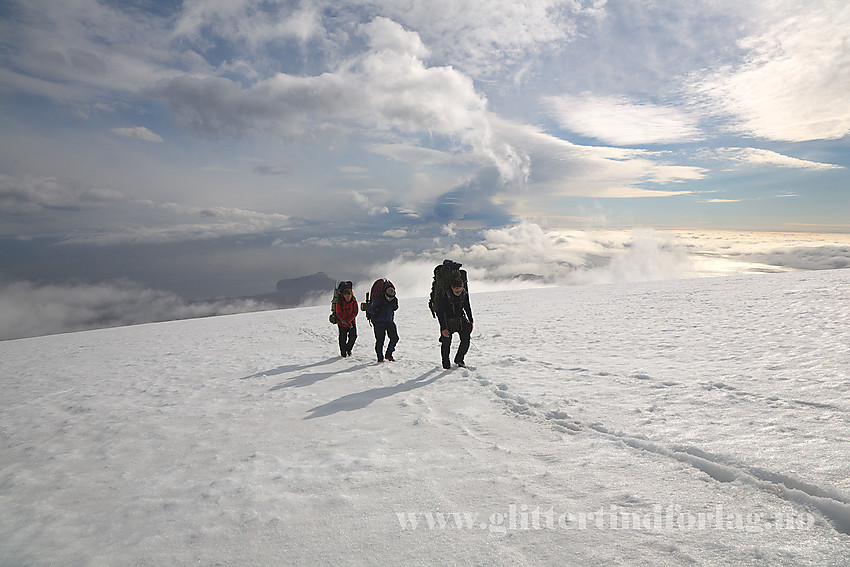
310,379
289,368
360,400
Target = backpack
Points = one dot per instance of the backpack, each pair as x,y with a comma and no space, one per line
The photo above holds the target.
337,294
444,274
378,288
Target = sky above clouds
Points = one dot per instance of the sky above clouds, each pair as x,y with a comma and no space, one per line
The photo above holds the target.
212,147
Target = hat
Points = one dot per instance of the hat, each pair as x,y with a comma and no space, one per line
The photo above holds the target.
390,291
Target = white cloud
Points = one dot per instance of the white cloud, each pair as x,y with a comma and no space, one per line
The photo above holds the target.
248,22
527,255
562,168
365,203
386,87
138,133
486,37
620,121
793,85
32,310
724,252
758,157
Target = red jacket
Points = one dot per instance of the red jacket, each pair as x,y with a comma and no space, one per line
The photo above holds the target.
346,311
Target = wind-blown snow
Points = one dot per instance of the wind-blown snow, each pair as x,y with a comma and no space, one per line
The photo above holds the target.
667,423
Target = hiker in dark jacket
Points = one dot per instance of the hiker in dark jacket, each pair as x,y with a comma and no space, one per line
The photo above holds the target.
455,316
381,312
346,314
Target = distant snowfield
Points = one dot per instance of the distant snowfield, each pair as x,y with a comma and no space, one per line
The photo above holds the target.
700,421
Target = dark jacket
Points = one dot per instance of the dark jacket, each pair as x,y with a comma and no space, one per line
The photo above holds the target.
346,311
381,310
453,307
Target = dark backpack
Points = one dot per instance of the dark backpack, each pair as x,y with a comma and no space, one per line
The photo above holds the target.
378,287
337,294
444,274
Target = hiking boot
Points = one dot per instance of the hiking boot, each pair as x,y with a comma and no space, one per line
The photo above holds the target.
446,364
390,358
461,364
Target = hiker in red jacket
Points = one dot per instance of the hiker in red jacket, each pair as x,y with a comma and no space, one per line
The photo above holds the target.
346,312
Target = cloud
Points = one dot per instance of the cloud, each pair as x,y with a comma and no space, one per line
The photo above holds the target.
759,157
561,167
28,195
806,258
31,310
79,50
512,257
365,203
793,84
138,133
269,170
164,225
620,121
489,37
526,255
387,88
714,253
250,23
417,155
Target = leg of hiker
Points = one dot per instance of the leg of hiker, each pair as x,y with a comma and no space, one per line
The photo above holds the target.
392,333
463,348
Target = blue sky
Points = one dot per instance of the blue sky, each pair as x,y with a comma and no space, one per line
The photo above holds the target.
213,147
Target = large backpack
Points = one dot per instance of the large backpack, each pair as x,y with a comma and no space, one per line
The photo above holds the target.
378,288
444,274
337,294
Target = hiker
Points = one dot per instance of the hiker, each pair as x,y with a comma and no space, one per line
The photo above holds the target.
455,316
381,312
346,311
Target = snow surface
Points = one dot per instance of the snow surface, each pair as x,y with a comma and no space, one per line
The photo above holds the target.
668,423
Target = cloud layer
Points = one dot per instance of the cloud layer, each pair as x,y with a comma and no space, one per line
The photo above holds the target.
32,310
521,256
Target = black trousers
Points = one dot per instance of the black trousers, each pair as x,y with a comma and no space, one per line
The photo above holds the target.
465,333
383,330
347,336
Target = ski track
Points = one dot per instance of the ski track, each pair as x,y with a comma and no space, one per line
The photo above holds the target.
831,503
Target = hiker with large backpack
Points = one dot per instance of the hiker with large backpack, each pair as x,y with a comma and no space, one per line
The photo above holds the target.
344,314
380,311
449,303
